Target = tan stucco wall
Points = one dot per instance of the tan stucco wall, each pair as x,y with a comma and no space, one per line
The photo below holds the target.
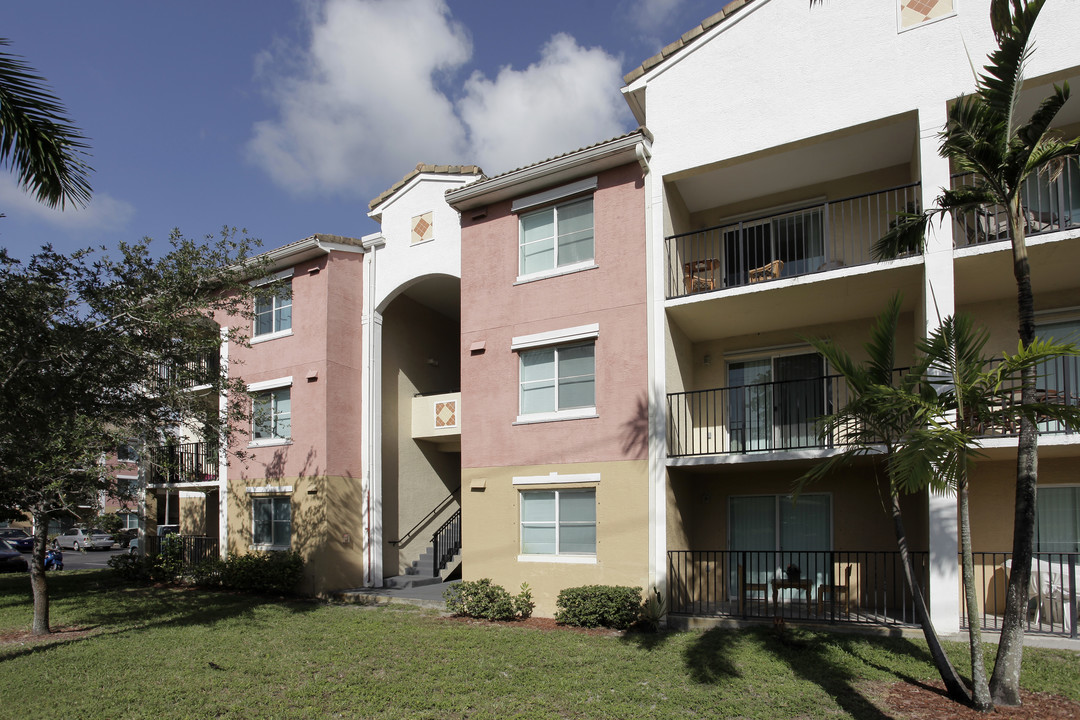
326,529
492,530
417,475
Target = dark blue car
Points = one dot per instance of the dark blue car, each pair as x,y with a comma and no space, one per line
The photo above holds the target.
18,539
10,559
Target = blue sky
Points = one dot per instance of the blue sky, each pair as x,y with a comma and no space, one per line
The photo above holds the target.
285,117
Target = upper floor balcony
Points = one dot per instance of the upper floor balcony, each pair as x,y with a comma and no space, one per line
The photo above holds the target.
795,242
197,372
1049,203
437,418
783,415
174,462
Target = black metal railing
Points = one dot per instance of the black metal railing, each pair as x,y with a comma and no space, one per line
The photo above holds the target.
182,462
834,586
446,543
1048,204
1052,595
1057,383
432,513
807,240
190,549
200,370
753,418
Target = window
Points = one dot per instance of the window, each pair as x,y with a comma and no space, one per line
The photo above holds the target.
273,313
782,246
272,524
558,237
776,533
558,522
271,416
127,452
1059,379
559,381
129,520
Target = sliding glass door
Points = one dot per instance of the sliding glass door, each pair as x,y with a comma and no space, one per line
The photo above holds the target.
782,246
774,403
771,534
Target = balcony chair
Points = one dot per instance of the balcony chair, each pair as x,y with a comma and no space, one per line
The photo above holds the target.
745,587
843,591
768,271
700,275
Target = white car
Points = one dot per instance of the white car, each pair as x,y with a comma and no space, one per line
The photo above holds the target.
79,538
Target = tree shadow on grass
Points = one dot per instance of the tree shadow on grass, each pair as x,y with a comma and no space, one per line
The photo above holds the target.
831,661
110,606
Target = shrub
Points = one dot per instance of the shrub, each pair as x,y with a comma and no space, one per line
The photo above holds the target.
483,599
207,573
264,572
653,611
132,568
613,606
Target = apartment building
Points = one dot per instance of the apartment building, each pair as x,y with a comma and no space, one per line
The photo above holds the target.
786,140
554,371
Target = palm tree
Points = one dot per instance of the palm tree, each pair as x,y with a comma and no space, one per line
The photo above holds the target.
884,412
985,137
36,140
974,395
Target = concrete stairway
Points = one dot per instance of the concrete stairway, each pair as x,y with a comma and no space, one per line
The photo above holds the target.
421,572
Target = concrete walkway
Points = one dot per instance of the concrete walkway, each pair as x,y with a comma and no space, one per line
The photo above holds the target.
427,596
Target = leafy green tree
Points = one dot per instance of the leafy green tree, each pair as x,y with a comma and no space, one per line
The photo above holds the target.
885,410
98,349
985,136
976,395
37,140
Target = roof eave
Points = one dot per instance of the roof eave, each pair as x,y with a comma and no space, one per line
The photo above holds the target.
518,182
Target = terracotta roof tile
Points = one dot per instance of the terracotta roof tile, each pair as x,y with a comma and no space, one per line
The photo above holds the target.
424,168
687,38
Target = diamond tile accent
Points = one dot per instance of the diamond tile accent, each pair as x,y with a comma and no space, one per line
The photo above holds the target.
446,414
913,12
422,227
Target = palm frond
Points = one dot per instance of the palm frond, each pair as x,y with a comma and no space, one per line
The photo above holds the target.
906,236
999,86
45,149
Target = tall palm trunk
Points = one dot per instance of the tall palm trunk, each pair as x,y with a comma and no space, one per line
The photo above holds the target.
980,691
1005,682
953,684
38,585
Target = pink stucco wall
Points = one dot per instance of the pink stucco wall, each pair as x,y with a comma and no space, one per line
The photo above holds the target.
495,310
325,342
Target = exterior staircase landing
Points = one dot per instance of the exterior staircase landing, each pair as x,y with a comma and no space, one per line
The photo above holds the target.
422,572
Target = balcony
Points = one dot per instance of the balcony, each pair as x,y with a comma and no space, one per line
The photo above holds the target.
802,241
182,463
197,372
436,418
1048,206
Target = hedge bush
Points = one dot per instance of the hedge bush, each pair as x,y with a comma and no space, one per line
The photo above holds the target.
613,606
262,572
485,600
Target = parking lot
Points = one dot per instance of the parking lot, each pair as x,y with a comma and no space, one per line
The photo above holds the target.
90,559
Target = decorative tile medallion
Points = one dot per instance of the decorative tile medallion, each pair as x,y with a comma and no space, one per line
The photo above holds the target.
422,228
446,414
914,12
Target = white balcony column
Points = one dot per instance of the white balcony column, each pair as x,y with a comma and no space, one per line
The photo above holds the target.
655,272
371,421
223,455
938,302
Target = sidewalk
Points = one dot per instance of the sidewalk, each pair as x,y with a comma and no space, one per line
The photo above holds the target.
427,596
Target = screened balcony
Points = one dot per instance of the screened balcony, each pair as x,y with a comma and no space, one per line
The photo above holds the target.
793,243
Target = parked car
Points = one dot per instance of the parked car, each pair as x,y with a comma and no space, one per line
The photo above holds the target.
11,560
77,538
133,546
125,536
18,539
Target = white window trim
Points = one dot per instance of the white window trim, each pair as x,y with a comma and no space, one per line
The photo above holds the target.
582,413
549,196
556,478
569,558
270,384
563,336
282,275
270,489
262,386
555,272
287,273
283,492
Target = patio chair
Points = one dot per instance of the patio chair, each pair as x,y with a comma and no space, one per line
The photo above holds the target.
836,591
749,587
768,271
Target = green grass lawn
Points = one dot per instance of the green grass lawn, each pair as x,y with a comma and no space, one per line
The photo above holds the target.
168,653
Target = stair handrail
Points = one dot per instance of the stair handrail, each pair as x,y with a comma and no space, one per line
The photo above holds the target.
439,507
443,551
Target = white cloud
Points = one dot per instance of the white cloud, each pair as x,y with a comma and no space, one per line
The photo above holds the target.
103,213
567,100
361,99
362,103
650,14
